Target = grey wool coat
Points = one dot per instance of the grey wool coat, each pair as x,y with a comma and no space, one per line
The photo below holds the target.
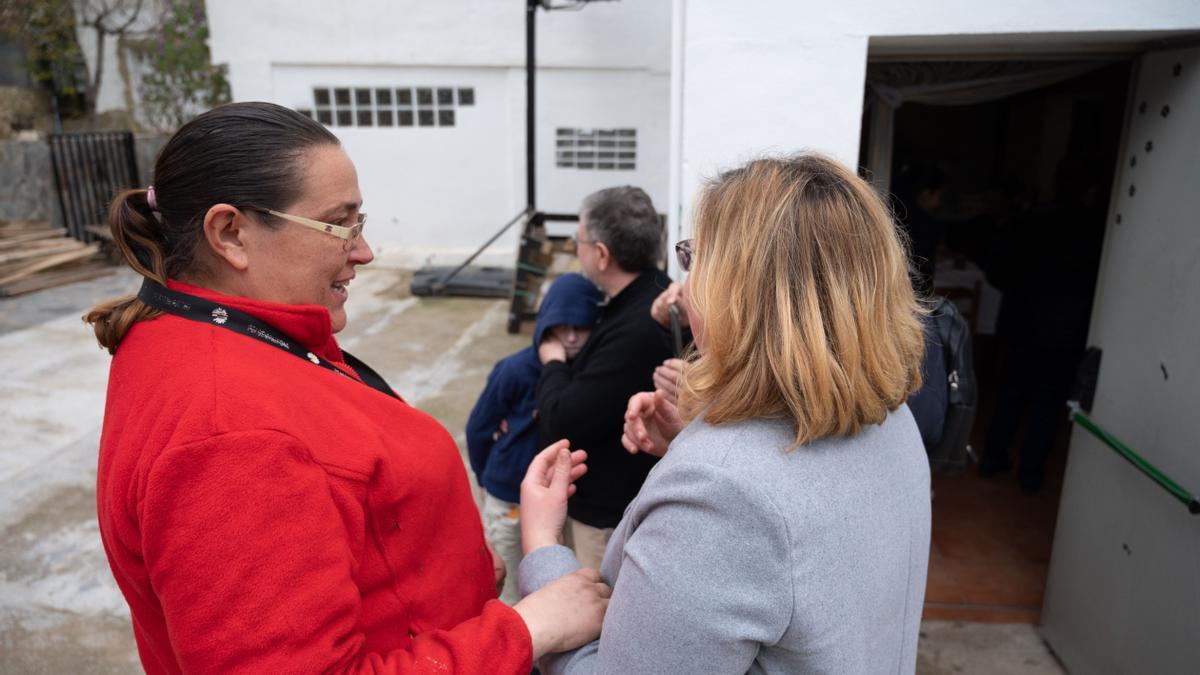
740,556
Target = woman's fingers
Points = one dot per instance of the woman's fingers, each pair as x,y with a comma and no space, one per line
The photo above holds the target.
577,471
546,463
578,467
632,442
636,437
667,382
661,378
666,378
541,469
641,405
633,434
561,477
626,441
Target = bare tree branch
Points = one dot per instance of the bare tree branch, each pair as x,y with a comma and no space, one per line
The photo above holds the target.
94,94
137,9
96,14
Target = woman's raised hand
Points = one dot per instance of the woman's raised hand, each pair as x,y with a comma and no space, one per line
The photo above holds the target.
548,483
666,380
651,423
567,612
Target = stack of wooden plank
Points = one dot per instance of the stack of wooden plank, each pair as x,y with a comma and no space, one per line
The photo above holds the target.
34,256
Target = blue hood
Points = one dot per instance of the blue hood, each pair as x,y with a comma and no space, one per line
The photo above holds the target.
500,460
572,300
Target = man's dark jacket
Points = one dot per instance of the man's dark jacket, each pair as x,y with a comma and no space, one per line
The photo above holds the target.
585,401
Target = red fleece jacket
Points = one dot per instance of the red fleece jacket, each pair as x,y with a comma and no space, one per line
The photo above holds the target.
264,515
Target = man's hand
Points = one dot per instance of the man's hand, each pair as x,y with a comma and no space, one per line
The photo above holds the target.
551,349
674,295
544,492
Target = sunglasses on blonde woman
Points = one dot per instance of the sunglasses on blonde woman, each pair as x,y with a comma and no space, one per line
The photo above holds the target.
683,253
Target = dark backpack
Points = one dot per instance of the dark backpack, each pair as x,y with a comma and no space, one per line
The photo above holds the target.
951,452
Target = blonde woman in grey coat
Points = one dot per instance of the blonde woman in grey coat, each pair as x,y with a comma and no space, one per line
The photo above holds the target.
787,528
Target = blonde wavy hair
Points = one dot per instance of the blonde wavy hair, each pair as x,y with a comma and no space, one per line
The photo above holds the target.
802,287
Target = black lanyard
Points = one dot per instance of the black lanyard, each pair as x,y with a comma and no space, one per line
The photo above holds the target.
203,311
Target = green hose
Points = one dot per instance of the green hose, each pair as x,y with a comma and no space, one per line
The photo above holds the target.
1176,490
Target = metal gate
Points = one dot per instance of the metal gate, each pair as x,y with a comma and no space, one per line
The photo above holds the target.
89,170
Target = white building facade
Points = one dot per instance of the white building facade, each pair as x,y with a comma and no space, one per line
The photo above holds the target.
429,101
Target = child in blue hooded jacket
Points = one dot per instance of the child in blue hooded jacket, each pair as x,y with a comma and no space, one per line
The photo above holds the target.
502,433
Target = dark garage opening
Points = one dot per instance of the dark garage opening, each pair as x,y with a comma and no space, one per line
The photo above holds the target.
999,163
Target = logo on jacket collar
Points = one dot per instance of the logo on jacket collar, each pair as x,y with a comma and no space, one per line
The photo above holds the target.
220,316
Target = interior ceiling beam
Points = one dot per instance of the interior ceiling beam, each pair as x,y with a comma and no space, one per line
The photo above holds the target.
1021,47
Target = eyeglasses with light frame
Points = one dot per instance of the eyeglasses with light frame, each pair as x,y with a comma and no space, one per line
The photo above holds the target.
350,234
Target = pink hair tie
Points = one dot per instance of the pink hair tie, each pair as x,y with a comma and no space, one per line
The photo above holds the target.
151,199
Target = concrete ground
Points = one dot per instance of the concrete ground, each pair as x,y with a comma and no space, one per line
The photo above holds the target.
60,611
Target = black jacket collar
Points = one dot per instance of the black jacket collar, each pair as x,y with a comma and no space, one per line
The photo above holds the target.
646,282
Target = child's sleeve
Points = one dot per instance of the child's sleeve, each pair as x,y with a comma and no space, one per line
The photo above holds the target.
490,409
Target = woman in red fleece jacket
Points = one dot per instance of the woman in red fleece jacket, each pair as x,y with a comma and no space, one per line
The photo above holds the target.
267,503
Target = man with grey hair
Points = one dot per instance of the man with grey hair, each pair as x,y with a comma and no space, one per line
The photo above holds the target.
619,245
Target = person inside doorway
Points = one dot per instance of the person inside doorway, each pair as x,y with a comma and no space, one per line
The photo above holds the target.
1046,266
919,191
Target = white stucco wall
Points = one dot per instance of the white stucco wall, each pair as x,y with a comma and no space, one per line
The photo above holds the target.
420,182
600,99
437,193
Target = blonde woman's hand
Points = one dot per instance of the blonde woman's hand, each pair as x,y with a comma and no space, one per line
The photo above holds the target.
666,380
548,483
651,423
566,613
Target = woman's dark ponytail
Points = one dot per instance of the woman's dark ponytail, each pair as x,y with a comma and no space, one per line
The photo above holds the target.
136,232
244,154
